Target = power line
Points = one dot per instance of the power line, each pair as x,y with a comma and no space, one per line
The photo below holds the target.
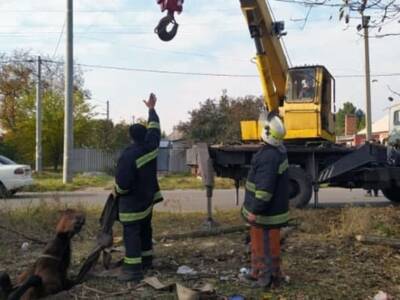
306,18
175,52
214,74
85,32
78,32
143,70
132,26
59,40
372,75
122,11
169,72
326,4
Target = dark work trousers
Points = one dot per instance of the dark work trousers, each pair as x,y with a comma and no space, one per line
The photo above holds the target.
138,246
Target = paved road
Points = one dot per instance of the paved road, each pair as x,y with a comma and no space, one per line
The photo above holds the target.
188,200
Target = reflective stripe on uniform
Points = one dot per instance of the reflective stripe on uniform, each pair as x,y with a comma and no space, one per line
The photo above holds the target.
154,125
157,196
119,190
268,220
283,166
147,253
250,186
262,195
135,216
141,161
132,260
259,194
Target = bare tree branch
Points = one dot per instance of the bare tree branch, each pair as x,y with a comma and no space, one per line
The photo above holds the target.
382,12
385,35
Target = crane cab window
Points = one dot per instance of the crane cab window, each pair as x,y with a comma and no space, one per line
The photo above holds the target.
301,85
396,118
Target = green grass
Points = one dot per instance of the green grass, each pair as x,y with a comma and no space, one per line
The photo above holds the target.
52,182
187,181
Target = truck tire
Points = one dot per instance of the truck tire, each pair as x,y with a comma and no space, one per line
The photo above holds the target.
4,194
300,187
392,194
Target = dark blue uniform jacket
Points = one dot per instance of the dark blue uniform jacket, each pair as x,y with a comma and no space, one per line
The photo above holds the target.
267,188
136,176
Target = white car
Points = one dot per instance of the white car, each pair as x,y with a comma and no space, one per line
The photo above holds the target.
13,177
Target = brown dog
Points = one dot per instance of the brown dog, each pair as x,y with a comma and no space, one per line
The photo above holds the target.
49,273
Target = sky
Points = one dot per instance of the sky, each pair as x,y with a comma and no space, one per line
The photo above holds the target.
212,38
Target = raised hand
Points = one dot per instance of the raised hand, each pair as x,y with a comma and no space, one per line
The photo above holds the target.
151,102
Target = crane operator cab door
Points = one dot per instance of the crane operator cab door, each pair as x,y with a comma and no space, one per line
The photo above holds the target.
308,108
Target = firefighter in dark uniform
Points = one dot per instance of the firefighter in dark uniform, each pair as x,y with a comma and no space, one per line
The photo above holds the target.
266,205
137,188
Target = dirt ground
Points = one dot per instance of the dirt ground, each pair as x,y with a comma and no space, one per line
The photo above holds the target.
320,256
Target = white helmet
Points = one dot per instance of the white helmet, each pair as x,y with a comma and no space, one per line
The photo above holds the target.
271,128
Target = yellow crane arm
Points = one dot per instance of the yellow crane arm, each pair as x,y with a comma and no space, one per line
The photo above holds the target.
271,60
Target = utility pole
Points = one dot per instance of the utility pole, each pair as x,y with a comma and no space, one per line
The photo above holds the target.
38,154
68,111
368,119
108,110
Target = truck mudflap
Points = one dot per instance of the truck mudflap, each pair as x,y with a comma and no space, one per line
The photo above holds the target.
364,157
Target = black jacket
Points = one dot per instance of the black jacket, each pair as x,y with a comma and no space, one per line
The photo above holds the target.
267,188
136,176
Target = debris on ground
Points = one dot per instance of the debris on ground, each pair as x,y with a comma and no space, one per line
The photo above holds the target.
185,270
378,240
236,297
382,296
25,246
182,292
320,255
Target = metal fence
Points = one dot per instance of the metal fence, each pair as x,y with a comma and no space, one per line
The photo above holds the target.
94,160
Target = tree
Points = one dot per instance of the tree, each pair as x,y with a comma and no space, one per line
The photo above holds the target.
219,121
108,136
102,134
121,135
15,82
7,150
17,110
111,137
381,12
349,109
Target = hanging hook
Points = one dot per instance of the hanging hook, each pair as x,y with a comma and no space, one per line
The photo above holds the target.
162,28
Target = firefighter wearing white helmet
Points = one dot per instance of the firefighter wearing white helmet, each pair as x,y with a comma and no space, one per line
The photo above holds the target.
266,205
272,129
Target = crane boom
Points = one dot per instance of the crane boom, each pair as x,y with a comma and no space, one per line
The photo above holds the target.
303,96
271,60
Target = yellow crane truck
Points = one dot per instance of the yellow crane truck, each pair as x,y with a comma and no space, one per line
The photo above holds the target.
305,99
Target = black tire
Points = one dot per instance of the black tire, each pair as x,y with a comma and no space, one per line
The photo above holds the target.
392,194
300,187
4,194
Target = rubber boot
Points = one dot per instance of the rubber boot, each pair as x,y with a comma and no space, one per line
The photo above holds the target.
127,274
147,263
